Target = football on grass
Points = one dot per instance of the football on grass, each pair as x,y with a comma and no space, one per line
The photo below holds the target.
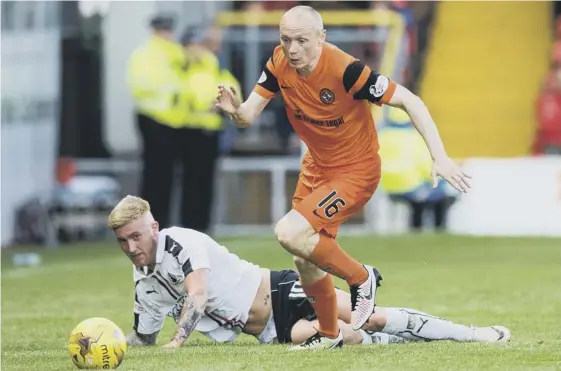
97,343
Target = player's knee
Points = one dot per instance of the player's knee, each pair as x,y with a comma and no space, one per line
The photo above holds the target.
376,322
284,232
293,232
308,271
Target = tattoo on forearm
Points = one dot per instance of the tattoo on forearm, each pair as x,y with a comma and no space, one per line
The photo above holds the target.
267,299
193,310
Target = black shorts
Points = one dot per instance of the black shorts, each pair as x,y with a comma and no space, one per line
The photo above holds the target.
289,303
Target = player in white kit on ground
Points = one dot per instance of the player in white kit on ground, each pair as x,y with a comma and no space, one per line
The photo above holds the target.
186,275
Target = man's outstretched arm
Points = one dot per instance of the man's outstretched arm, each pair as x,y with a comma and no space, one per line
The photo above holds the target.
248,111
243,114
194,306
420,116
443,165
363,83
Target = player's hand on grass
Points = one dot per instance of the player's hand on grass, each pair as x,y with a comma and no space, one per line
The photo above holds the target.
228,99
448,170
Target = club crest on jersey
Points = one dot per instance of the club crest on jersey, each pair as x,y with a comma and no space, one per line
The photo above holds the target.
326,96
380,87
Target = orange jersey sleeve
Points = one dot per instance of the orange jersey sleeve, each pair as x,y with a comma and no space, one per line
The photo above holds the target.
268,86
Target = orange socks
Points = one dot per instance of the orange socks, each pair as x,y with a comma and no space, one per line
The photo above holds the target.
324,300
329,256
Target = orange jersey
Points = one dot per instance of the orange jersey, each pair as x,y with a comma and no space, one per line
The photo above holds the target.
329,109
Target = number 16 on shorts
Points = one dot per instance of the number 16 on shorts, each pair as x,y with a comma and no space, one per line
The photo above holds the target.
330,205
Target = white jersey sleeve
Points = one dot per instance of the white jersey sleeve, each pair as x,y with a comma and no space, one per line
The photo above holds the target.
190,248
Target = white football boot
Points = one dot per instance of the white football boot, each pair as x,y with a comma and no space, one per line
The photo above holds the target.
320,342
363,298
491,334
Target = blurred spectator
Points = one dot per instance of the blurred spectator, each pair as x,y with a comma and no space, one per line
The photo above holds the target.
200,135
253,6
154,74
548,136
264,5
403,73
371,53
279,5
409,39
406,172
326,5
379,5
548,105
557,13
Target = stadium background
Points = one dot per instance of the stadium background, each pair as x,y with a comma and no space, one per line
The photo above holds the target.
487,71
65,96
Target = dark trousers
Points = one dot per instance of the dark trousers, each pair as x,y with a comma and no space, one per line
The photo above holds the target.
197,151
438,208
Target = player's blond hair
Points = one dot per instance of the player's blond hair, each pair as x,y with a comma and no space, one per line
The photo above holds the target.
126,211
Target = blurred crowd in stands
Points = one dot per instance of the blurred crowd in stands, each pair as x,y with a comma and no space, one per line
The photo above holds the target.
416,15
548,107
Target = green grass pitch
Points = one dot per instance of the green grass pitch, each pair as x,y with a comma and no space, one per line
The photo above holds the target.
485,281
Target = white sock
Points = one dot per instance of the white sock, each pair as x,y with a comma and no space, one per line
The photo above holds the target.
366,338
414,325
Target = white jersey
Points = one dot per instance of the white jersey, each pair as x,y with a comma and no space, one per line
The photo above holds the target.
232,285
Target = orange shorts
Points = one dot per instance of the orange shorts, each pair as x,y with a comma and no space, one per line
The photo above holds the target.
328,199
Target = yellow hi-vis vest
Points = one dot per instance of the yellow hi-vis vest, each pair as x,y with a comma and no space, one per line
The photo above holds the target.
154,78
406,160
199,88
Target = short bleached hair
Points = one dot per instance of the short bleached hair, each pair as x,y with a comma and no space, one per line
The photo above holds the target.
126,211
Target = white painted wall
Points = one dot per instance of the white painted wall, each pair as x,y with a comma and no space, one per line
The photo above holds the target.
30,74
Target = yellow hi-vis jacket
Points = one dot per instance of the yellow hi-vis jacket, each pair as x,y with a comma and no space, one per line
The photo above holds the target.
154,78
406,161
199,88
